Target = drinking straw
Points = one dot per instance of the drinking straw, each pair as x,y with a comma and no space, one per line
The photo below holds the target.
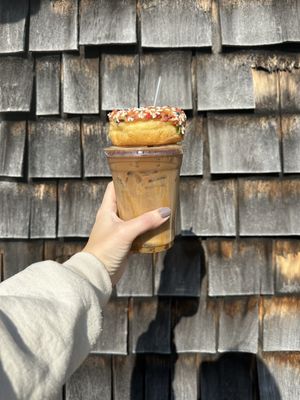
157,90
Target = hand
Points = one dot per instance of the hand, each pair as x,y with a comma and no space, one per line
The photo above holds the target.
111,237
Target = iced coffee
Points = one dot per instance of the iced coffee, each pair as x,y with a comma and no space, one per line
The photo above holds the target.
145,163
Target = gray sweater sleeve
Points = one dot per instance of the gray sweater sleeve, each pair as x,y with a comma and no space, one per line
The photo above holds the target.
50,318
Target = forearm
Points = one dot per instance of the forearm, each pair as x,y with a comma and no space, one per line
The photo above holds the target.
50,318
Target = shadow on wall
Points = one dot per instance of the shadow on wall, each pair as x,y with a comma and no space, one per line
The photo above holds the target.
230,376
15,10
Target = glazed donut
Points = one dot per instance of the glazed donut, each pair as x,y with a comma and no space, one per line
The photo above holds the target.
146,126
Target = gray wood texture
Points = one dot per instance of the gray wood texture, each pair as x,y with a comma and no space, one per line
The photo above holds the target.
194,324
243,144
16,79
239,267
128,377
107,22
177,23
238,325
14,210
13,15
91,381
12,145
43,210
281,324
149,325
119,81
286,256
178,270
79,202
279,376
80,84
266,90
54,148
19,254
53,25
47,85
291,143
207,207
290,90
137,279
228,377
274,22
192,162
94,140
185,378
157,377
269,208
174,67
61,251
113,337
224,82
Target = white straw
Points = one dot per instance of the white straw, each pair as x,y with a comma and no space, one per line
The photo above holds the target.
157,90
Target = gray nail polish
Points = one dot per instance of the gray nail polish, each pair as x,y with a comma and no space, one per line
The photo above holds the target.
164,212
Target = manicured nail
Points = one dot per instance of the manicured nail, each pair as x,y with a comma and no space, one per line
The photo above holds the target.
164,212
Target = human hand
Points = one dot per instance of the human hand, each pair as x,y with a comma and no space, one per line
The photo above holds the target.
111,237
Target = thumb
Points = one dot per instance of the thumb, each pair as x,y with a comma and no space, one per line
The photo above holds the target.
145,222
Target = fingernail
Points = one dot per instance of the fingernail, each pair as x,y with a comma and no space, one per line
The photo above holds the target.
164,212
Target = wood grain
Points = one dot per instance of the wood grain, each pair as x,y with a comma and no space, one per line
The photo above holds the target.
107,22
192,162
289,90
53,25
157,378
185,378
13,15
12,145
224,82
239,267
174,67
91,381
43,210
281,324
137,279
207,207
291,143
113,337
61,250
243,144
286,256
80,84
48,85
119,81
54,148
16,79
128,377
149,321
269,207
266,90
94,140
78,205
161,19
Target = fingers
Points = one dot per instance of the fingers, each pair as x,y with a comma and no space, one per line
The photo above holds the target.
146,222
109,202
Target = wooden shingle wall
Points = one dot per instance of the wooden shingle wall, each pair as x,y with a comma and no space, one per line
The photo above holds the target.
218,315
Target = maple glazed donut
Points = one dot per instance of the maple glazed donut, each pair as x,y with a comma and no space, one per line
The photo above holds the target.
146,126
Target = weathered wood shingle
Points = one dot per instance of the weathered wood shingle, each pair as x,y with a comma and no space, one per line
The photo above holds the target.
53,25
16,80
13,15
269,208
174,67
178,23
107,22
286,256
80,84
243,144
224,82
289,90
48,85
12,145
185,378
241,267
119,84
54,148
192,161
291,143
207,207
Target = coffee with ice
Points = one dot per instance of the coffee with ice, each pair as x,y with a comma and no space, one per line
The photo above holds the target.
145,163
